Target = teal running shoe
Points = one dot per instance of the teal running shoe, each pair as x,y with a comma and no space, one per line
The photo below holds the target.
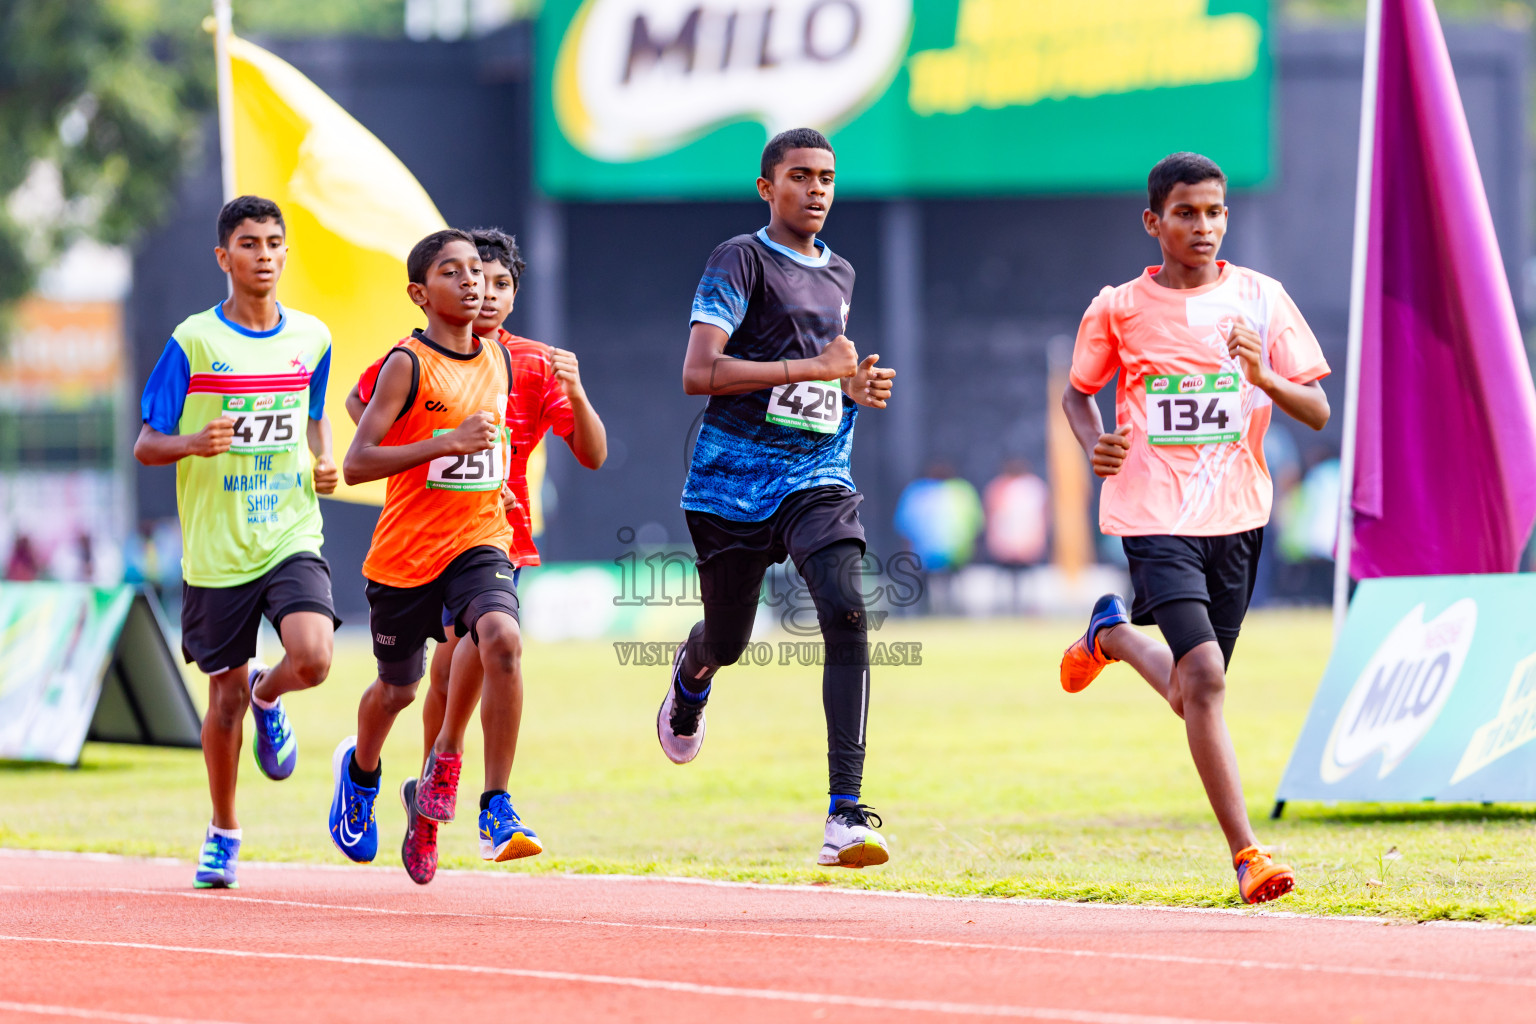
277,749
216,862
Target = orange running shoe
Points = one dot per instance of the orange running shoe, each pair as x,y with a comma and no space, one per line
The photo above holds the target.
1259,878
1083,661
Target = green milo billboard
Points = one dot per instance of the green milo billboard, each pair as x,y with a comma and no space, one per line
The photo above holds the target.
675,98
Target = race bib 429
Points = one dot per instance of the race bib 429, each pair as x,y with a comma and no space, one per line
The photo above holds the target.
814,405
264,423
1194,408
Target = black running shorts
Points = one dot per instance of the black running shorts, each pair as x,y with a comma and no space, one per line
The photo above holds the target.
403,618
219,624
1217,571
733,555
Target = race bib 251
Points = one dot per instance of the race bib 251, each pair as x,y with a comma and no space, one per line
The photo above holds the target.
473,471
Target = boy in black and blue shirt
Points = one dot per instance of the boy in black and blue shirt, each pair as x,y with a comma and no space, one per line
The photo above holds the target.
770,475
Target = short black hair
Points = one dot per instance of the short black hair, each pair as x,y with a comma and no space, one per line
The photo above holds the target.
496,246
1179,169
243,208
795,138
426,250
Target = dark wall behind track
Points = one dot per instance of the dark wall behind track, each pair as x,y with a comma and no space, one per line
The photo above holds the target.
997,279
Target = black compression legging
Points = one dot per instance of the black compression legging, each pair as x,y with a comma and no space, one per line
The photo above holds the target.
1187,624
833,577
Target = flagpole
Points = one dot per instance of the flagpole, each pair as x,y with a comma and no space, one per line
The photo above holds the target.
221,33
1365,172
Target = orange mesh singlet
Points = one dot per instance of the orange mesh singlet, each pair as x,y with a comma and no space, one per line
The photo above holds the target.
436,511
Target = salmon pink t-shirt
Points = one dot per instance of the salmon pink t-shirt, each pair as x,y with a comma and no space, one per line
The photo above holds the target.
1143,330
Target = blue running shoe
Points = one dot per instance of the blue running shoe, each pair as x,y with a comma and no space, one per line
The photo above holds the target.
503,836
216,862
1085,659
277,750
353,829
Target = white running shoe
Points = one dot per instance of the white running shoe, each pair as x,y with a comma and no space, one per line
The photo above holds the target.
851,840
679,723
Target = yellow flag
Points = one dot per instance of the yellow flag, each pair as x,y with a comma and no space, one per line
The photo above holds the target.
353,212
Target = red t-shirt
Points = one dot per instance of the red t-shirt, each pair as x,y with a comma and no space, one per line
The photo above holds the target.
537,403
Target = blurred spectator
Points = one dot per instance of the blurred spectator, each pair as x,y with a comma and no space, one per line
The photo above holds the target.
940,516
1310,524
73,561
1018,510
23,565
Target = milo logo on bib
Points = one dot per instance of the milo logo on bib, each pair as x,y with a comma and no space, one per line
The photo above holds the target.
1194,408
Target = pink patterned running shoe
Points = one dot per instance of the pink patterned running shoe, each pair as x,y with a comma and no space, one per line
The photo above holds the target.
439,789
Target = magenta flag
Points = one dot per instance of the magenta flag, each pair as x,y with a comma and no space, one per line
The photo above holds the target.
1445,470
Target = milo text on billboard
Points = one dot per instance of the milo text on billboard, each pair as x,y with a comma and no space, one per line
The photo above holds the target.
1399,694
676,97
1430,694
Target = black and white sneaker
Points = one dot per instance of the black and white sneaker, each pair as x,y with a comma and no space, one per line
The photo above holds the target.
851,840
680,723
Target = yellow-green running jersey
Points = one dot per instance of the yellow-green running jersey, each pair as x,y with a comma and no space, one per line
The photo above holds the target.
246,510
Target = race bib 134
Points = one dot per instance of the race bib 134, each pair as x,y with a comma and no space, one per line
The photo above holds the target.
1194,408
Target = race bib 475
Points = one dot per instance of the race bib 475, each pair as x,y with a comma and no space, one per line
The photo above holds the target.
1194,408
264,423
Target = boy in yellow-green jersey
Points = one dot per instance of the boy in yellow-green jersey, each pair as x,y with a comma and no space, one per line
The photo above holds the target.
237,402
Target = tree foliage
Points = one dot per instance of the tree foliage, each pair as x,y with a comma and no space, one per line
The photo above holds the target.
98,108
101,102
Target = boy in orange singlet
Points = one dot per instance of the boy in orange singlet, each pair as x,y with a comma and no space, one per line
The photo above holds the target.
435,429
1205,350
546,395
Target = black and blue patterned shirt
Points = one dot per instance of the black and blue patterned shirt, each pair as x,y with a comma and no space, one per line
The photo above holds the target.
774,303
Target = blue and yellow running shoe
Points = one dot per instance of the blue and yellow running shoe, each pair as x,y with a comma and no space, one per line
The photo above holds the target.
276,748
503,836
353,828
216,862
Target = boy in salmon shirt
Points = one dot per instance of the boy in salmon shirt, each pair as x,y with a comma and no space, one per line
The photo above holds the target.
1205,351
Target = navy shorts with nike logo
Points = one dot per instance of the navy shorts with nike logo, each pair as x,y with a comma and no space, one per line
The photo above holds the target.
402,619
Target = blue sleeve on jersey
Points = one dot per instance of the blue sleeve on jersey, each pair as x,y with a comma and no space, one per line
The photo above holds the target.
723,290
317,382
165,394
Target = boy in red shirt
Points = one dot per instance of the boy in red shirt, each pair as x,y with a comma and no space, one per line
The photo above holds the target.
546,394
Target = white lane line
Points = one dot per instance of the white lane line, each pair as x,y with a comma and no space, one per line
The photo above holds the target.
825,890
1161,958
44,1010
653,984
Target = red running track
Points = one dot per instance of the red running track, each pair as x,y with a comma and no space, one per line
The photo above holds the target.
100,938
